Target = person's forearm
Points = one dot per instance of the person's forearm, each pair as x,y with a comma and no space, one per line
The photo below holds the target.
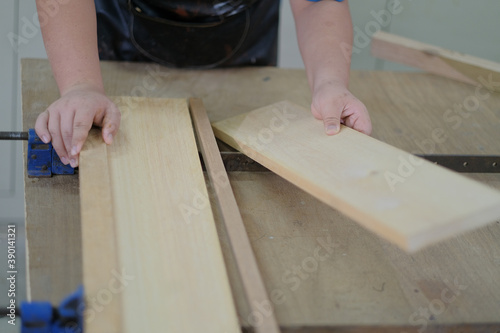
324,32
70,38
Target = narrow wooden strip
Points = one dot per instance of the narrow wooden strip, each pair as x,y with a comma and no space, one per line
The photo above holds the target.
253,285
403,198
101,269
436,60
172,270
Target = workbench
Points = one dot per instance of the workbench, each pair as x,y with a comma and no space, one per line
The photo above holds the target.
322,270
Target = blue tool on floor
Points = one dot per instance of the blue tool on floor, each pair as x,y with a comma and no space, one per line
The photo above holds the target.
41,317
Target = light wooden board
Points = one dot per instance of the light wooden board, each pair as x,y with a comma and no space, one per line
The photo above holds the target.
404,199
436,60
249,271
366,283
100,241
154,206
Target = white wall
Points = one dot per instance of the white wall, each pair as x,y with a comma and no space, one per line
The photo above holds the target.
11,189
463,25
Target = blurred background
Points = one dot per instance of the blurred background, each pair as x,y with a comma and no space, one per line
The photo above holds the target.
462,25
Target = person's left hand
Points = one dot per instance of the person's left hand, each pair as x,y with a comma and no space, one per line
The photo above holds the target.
334,104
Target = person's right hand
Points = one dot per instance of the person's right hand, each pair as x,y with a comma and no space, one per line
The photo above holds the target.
68,120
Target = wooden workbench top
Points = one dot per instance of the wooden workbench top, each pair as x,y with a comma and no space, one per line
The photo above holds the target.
322,270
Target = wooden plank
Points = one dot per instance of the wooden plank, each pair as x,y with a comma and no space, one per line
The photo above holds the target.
170,260
52,205
404,199
255,291
436,60
99,241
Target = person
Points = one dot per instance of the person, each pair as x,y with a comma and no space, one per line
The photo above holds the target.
229,33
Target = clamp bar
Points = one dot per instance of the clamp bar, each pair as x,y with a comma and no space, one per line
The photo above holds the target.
236,161
14,136
467,163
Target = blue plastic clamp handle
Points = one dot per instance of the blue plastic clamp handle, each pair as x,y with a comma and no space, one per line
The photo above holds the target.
43,160
39,156
36,317
39,317
70,314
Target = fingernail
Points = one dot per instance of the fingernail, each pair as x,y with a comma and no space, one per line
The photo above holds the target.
45,139
64,160
74,150
73,163
110,137
331,129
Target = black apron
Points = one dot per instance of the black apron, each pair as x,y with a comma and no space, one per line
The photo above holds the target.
189,33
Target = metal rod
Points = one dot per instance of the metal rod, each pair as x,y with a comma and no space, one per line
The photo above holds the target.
13,135
467,163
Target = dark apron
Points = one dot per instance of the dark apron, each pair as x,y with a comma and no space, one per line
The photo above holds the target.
189,33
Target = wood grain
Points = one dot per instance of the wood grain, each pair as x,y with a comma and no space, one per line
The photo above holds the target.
436,60
364,284
101,265
249,271
155,198
404,199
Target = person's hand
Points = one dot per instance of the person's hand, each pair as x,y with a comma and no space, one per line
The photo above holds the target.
334,104
68,121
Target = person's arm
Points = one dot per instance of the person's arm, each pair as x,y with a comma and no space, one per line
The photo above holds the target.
70,38
324,32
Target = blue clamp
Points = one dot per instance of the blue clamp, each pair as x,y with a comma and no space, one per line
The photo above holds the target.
40,317
43,160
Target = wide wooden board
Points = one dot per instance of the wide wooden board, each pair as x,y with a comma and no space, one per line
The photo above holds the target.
152,258
404,199
436,60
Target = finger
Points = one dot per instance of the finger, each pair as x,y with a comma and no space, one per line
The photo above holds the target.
57,142
364,126
110,123
360,122
330,113
66,123
41,126
82,124
332,124
331,119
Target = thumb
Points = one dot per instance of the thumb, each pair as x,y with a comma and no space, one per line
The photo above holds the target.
110,123
332,124
330,112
